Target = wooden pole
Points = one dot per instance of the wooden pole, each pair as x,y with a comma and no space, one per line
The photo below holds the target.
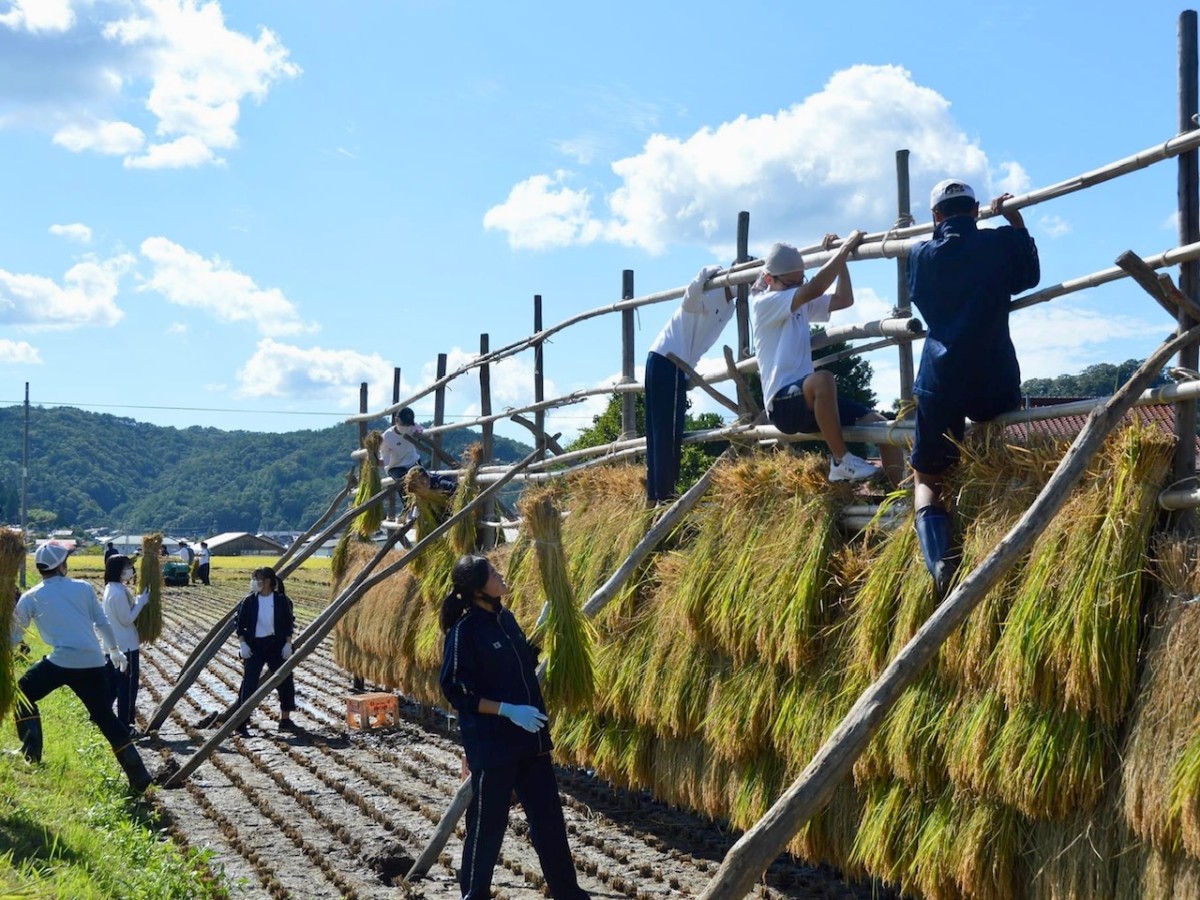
1184,465
743,290
754,851
628,401
490,536
320,627
903,305
600,598
395,399
539,392
439,402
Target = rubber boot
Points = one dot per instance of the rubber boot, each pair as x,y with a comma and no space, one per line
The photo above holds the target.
135,771
29,730
941,557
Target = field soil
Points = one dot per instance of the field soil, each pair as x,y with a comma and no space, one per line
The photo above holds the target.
335,812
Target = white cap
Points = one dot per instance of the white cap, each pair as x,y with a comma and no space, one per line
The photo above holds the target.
949,189
783,259
50,555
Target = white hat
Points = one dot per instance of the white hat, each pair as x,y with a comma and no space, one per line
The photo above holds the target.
50,555
782,259
949,189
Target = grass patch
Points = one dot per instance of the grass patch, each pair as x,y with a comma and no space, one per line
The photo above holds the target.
69,829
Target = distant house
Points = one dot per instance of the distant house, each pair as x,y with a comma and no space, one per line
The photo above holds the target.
127,544
241,543
1067,427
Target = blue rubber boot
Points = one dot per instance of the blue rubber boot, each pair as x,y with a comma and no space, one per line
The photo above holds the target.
933,534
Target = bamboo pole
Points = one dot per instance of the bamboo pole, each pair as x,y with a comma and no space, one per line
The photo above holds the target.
878,245
694,378
754,851
628,401
903,306
490,535
539,388
600,598
311,638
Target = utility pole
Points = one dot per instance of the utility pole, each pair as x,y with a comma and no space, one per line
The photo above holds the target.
25,488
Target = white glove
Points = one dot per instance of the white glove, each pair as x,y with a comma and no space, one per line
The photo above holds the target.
286,650
245,650
530,718
117,657
693,297
143,598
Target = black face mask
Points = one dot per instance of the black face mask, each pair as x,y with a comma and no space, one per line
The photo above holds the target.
492,602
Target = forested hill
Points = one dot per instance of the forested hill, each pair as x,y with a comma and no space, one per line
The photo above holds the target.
91,469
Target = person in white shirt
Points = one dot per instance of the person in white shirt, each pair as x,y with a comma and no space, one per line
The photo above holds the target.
185,552
205,560
799,398
265,624
68,617
122,608
397,453
692,329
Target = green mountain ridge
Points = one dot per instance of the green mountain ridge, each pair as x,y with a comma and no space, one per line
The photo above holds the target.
98,470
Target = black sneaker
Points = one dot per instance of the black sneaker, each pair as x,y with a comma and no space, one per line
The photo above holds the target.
243,730
289,725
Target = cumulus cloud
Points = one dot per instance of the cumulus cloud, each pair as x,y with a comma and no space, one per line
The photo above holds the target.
186,278
19,353
176,59
39,16
1065,337
290,372
86,297
828,161
76,231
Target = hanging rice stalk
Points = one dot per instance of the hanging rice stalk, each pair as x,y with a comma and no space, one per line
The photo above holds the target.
462,537
150,621
12,553
369,484
566,635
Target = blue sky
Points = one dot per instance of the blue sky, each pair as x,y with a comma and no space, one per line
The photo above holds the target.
229,215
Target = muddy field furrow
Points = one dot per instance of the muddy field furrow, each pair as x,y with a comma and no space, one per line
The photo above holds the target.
332,812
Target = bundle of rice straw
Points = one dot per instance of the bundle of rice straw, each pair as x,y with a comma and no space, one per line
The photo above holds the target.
566,634
369,484
12,551
150,621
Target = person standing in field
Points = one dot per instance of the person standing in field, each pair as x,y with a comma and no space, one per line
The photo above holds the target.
489,676
265,623
122,608
68,617
962,280
205,560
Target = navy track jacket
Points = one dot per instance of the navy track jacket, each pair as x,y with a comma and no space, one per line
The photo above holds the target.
486,655
962,281
247,620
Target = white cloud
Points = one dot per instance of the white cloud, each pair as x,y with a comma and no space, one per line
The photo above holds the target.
19,353
186,278
511,382
826,163
113,138
39,16
542,212
1054,226
1013,179
76,231
291,372
581,149
176,58
1171,222
176,328
86,297
1065,337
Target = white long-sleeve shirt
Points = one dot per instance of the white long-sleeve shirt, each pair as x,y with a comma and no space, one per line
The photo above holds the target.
122,610
696,323
68,617
397,450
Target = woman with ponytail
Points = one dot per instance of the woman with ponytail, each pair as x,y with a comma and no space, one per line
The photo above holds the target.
489,675
122,609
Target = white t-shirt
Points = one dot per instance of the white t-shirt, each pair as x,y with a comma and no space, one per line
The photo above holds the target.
204,556
265,626
695,325
397,449
781,337
185,553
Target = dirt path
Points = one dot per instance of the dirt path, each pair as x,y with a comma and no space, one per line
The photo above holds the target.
325,813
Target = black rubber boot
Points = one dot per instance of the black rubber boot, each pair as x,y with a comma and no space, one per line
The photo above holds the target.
29,730
135,771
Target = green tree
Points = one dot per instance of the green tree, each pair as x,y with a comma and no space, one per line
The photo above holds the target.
1099,380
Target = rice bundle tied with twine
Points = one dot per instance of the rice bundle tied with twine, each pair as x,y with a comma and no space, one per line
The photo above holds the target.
150,622
12,551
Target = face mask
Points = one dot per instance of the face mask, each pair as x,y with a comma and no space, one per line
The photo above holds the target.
254,585
127,575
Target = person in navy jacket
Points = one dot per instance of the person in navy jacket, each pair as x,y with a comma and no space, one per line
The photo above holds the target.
265,624
489,676
962,281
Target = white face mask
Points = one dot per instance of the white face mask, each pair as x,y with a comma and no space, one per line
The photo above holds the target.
254,585
127,575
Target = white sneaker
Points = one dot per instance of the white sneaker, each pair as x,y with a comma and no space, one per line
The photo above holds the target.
852,468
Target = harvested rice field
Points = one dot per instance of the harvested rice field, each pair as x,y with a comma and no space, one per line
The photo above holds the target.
333,812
